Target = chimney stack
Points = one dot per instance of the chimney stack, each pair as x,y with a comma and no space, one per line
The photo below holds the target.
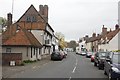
104,30
46,12
98,35
43,10
94,35
9,19
116,26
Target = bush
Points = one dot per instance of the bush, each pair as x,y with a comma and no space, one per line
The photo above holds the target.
29,61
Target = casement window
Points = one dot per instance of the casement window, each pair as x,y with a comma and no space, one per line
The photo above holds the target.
33,18
34,51
28,19
39,51
31,52
8,50
27,52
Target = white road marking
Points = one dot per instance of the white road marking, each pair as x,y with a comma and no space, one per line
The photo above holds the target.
74,69
70,78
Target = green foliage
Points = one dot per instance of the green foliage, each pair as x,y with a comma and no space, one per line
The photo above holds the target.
29,61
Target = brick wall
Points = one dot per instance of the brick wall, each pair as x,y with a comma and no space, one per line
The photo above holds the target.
7,57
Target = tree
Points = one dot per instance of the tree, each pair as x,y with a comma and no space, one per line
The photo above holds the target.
72,44
61,37
3,21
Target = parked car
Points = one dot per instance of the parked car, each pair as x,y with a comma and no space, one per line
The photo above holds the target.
93,57
83,53
56,55
99,59
63,53
89,54
112,66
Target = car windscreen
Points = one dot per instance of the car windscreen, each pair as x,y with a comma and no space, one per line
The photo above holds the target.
116,58
102,54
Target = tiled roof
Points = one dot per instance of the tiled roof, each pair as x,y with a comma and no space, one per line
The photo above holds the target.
9,32
91,39
110,35
22,38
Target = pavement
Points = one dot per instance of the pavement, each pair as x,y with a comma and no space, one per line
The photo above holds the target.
8,71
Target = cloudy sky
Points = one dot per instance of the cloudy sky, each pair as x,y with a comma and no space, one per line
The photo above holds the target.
73,18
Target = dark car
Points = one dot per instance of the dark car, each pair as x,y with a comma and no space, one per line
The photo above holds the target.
112,66
89,54
56,55
99,59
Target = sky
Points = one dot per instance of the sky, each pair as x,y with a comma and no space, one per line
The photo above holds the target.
73,18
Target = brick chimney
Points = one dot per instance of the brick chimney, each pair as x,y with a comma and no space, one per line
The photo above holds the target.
98,35
104,30
94,35
110,30
9,19
116,26
46,12
41,9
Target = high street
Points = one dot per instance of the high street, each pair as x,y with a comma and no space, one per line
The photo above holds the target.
74,66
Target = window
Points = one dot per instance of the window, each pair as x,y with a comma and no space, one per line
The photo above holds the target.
28,19
34,51
8,50
33,19
27,52
31,52
39,51
44,49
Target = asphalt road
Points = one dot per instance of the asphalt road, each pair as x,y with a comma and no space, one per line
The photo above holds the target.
74,66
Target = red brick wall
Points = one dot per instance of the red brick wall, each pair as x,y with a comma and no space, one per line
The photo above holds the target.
7,57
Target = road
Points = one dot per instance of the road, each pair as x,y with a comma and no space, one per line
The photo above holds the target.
74,66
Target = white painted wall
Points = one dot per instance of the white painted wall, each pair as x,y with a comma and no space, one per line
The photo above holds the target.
113,44
88,46
23,50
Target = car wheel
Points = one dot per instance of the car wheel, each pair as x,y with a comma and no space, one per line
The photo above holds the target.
105,72
99,67
109,76
95,64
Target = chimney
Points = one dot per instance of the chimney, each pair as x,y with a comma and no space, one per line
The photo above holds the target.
45,12
9,18
98,35
110,30
104,30
116,26
41,8
94,35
